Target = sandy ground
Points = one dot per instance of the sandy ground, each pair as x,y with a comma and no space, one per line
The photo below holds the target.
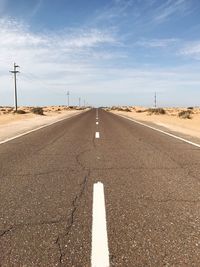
15,124
170,120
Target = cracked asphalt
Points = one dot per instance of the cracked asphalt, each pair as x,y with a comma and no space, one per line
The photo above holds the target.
152,193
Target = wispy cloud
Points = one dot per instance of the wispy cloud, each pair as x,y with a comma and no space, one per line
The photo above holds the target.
114,10
17,34
157,43
36,8
100,59
191,50
88,38
67,57
170,8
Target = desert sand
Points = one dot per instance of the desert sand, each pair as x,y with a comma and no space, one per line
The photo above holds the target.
170,120
12,124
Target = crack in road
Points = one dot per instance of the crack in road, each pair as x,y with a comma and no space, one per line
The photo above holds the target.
4,232
78,160
71,217
68,225
68,220
22,225
60,250
75,203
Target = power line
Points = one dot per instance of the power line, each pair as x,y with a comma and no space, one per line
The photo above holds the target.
15,71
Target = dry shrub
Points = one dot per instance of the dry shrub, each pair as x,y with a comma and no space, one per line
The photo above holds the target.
185,114
140,110
156,111
37,110
124,109
114,108
20,111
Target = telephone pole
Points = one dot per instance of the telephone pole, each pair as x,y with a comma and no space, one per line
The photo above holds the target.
68,98
79,101
155,100
15,71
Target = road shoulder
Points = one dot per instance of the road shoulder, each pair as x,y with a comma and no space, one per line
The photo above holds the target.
168,128
24,126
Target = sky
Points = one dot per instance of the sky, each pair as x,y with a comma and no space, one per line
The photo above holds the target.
107,52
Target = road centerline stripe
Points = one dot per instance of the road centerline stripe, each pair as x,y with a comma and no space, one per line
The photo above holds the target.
100,251
97,135
97,122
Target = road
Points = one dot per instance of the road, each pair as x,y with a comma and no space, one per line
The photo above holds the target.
151,185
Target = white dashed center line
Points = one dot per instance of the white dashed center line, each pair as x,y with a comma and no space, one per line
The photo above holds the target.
97,122
100,252
97,135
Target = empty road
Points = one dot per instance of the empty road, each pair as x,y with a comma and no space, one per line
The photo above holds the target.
99,176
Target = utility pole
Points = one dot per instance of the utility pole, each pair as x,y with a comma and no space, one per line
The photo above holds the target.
155,100
15,83
68,98
79,101
84,103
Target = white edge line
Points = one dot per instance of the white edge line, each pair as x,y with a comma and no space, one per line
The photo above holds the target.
100,251
97,135
36,129
158,130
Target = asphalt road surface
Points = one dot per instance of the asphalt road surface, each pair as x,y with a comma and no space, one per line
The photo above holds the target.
151,187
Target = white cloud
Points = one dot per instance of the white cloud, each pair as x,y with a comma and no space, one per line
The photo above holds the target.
171,7
47,60
119,8
191,50
162,43
79,60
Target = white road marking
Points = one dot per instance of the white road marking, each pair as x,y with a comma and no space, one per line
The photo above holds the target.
97,135
97,114
158,130
97,122
36,129
100,252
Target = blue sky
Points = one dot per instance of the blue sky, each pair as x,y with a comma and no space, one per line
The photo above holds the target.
116,52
